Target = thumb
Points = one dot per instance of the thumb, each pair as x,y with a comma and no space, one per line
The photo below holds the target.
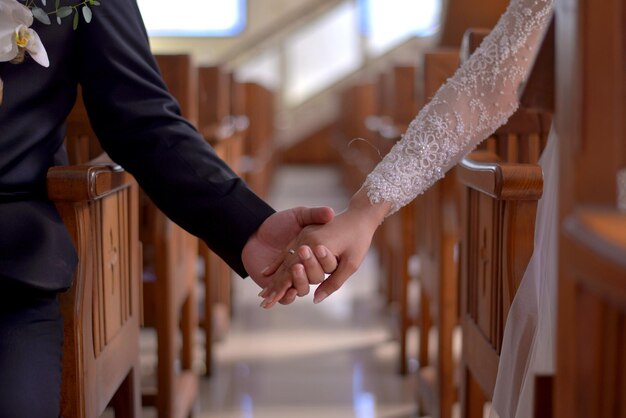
310,216
276,262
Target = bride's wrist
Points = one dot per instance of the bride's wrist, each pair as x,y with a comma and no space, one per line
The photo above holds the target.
373,213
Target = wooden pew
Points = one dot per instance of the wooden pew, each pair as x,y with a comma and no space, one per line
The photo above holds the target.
101,311
224,125
240,122
170,256
357,110
490,278
499,209
591,321
214,109
397,106
259,147
437,235
591,372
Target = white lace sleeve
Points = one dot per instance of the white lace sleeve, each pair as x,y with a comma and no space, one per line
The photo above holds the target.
469,107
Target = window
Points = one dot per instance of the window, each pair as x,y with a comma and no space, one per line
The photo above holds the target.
387,23
322,53
194,17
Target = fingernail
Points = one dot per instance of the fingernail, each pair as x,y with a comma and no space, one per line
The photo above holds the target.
266,303
319,296
306,253
261,292
268,300
265,270
320,252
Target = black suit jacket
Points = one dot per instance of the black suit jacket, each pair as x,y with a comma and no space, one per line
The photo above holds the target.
138,124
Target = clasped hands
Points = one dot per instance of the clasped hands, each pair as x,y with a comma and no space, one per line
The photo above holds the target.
320,243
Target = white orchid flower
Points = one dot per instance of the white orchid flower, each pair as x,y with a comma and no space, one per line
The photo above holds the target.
16,36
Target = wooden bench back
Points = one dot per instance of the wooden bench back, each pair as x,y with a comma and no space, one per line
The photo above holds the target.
81,142
181,77
102,309
358,104
170,254
213,99
259,144
499,209
504,184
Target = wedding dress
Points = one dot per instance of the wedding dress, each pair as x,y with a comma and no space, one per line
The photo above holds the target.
469,107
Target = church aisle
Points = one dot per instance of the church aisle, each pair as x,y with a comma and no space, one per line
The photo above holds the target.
336,359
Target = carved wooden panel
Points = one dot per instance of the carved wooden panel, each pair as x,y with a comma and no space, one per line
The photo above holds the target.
101,310
112,272
481,283
499,215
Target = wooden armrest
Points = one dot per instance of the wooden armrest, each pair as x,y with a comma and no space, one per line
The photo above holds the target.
600,231
90,181
504,181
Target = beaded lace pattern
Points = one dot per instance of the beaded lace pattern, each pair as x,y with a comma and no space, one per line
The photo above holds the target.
469,107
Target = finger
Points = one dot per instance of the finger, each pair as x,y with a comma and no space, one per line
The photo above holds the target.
299,279
334,281
313,270
326,258
309,216
289,297
276,291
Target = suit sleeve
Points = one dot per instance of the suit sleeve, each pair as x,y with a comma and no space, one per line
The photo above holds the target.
140,126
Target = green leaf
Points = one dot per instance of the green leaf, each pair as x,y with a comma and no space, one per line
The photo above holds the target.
64,11
87,13
95,3
75,22
41,15
58,20
57,3
43,2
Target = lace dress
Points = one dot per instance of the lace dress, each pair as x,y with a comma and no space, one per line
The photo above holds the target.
478,99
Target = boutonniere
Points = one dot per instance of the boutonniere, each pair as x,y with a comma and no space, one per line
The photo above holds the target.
16,36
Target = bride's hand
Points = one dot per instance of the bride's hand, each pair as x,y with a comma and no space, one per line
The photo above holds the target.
347,237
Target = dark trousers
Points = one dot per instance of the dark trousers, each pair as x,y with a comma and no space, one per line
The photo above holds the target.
31,349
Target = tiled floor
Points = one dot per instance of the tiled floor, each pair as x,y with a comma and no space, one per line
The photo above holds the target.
332,360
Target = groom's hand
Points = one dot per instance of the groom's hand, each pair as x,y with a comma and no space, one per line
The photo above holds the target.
270,242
